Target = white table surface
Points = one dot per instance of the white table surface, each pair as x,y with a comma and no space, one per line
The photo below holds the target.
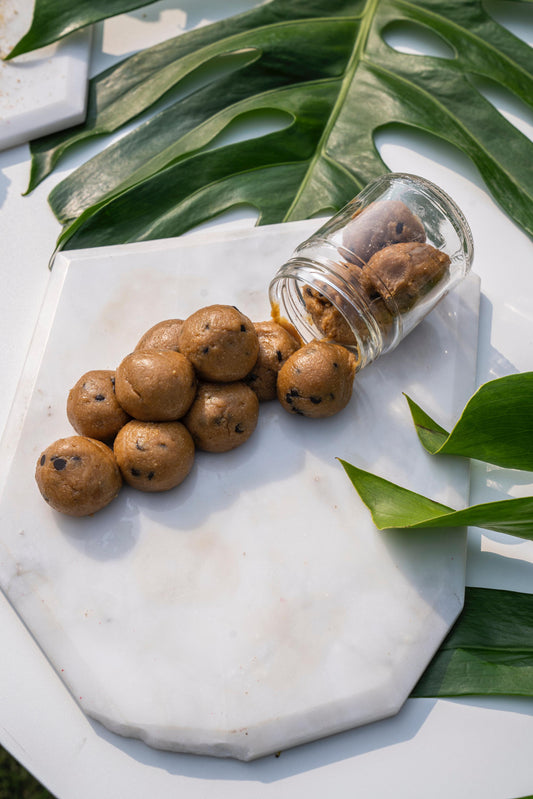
475,747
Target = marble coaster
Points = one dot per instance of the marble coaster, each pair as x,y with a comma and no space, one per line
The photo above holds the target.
255,607
43,91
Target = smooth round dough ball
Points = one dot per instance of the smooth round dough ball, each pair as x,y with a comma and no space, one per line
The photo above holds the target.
162,336
221,342
223,416
275,346
154,456
78,475
405,272
155,385
317,380
382,223
92,406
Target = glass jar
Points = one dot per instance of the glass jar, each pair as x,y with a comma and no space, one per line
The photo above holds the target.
368,276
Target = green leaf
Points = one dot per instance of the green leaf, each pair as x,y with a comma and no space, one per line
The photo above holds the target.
322,64
54,19
393,506
495,426
489,650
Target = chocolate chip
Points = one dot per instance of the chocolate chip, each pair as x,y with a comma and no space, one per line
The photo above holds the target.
239,428
151,475
135,472
243,328
316,400
332,396
206,326
279,355
288,399
113,382
205,350
76,458
99,398
294,392
335,365
59,463
43,459
399,228
162,444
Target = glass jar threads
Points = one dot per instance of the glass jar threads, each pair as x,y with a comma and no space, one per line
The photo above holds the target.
369,275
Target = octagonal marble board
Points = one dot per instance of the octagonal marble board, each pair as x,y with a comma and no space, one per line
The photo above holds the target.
255,607
43,91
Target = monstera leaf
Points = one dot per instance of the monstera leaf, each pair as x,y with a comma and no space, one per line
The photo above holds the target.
54,19
325,68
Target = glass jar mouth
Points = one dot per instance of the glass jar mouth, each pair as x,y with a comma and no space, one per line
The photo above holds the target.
321,305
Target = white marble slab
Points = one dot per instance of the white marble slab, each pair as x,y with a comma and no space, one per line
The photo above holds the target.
43,91
255,607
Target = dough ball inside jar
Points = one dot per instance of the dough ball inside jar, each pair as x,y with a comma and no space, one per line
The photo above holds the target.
155,385
77,475
154,456
223,416
92,406
162,336
221,343
317,380
382,223
275,346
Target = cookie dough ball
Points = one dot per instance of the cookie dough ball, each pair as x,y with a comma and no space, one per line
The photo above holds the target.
163,336
77,475
317,380
382,223
405,272
275,346
154,456
223,416
328,319
221,343
92,406
155,385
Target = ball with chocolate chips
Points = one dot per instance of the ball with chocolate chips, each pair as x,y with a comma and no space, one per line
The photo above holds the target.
155,385
78,475
317,380
275,346
221,342
154,456
162,336
92,406
223,416
382,223
405,272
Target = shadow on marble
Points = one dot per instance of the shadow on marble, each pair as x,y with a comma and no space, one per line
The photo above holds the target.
273,768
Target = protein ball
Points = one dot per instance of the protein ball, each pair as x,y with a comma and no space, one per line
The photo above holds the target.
78,475
223,416
221,343
155,385
317,380
275,346
92,406
405,272
382,223
328,319
162,336
154,456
